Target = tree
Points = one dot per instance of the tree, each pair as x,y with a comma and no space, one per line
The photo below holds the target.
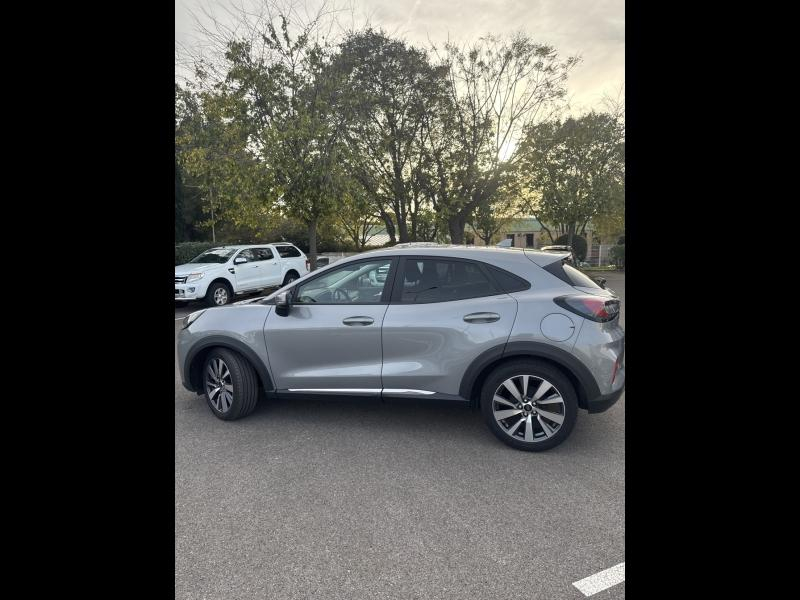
491,217
180,230
578,167
212,149
497,88
355,216
393,88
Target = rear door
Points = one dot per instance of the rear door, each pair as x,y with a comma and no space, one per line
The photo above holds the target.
444,313
269,267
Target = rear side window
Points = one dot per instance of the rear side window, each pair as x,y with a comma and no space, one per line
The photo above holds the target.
579,279
508,282
428,280
287,251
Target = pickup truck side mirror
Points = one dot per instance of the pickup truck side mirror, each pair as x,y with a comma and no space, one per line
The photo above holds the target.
283,304
239,260
601,281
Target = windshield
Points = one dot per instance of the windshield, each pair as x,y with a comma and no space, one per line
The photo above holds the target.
215,255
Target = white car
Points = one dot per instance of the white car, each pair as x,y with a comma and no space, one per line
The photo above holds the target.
220,273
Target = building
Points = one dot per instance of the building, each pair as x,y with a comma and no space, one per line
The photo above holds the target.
527,232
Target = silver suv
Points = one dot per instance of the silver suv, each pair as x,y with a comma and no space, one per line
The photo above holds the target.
520,334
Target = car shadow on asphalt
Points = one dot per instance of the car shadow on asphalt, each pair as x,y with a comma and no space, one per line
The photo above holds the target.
423,421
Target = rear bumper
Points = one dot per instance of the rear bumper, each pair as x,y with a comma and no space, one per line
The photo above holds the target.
603,403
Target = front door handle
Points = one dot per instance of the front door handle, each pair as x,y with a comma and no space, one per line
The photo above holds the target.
358,321
482,317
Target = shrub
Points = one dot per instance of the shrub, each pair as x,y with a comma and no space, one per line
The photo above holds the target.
578,245
617,254
186,251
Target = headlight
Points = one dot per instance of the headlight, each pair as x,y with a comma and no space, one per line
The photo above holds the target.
194,277
191,318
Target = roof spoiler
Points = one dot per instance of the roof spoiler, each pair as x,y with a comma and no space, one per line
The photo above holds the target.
545,258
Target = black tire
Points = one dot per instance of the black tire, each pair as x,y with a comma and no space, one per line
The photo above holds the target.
290,277
243,380
211,294
539,371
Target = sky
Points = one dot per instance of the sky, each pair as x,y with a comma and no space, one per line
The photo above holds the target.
592,29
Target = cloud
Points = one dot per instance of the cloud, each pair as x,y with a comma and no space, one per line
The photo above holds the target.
595,29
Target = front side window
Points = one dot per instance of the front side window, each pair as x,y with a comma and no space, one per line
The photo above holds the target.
262,253
439,280
249,254
353,283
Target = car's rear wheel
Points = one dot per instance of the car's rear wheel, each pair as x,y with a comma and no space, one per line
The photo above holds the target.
290,277
218,294
529,405
230,384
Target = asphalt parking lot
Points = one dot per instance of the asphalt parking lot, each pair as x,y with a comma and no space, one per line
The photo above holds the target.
359,499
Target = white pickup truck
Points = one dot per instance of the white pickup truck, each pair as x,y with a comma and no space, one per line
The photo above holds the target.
220,273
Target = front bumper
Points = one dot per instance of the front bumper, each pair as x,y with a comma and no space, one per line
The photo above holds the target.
190,291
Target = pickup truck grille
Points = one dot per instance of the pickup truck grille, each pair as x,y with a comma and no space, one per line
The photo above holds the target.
180,279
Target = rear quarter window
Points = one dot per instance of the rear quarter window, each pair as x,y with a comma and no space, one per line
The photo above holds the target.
508,282
579,279
288,251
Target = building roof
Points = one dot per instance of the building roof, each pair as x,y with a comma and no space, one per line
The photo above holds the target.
523,225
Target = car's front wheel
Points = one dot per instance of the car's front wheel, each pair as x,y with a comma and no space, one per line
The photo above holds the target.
218,294
230,384
529,405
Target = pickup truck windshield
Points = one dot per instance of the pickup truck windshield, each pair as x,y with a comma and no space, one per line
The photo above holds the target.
215,255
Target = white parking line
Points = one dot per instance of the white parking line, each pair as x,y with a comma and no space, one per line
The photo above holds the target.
602,580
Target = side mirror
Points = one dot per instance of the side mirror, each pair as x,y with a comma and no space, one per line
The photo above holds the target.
239,260
601,281
283,303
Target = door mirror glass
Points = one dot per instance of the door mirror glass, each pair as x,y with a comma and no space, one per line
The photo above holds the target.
283,303
239,260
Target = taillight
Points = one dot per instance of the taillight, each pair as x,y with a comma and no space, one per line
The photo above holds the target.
593,308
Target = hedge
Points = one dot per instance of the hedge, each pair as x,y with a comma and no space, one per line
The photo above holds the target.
618,256
186,251
578,245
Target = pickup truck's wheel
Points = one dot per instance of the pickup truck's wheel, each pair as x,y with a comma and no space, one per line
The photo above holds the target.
529,405
218,294
290,277
230,384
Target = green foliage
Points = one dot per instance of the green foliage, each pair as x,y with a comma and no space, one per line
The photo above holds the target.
286,134
186,251
578,167
617,254
579,246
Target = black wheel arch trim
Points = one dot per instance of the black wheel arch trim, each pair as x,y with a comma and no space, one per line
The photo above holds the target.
587,388
232,344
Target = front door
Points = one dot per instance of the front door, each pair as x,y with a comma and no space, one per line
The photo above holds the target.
247,274
330,342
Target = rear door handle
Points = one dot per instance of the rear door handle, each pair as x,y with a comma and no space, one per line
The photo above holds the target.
482,317
358,321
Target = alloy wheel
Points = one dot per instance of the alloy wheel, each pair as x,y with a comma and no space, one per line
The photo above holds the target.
528,408
219,385
220,296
